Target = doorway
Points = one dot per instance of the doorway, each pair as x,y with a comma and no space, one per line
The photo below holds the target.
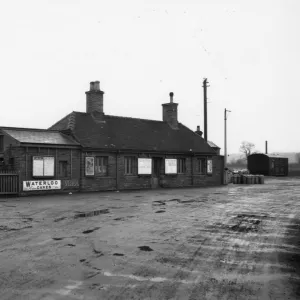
156,171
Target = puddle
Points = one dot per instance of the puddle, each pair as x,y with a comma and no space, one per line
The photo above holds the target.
188,201
98,252
82,260
58,239
90,230
71,245
119,219
246,223
59,219
175,199
91,213
160,211
6,228
159,202
145,248
118,254
138,196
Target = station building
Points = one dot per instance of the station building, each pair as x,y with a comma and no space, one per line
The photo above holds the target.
92,151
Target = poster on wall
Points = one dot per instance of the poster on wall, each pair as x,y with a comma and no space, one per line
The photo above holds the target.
41,185
171,166
209,166
144,166
38,166
89,166
48,166
43,166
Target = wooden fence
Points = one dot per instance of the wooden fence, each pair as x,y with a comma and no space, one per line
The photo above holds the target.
9,182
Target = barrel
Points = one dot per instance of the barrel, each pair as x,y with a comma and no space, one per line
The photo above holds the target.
238,179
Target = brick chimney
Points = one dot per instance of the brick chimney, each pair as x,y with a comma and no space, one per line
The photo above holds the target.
198,131
94,98
170,112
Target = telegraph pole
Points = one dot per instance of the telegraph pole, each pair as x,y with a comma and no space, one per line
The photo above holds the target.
225,141
205,82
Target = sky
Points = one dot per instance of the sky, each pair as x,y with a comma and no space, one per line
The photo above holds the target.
140,51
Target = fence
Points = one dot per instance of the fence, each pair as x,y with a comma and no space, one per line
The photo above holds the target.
9,182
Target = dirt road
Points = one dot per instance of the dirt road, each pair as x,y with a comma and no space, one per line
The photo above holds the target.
230,242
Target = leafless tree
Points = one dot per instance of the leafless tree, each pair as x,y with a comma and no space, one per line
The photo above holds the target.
246,148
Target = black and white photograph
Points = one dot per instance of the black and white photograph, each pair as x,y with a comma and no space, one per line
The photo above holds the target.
149,150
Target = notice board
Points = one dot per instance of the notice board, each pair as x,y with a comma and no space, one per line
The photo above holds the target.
171,166
144,166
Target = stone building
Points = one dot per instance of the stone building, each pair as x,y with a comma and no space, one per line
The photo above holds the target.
92,151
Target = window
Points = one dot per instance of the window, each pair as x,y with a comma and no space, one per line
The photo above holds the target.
130,165
63,169
101,164
201,166
11,161
1,143
181,166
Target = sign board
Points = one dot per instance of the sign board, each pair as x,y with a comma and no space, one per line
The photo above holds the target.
43,166
209,166
144,166
48,166
171,166
38,166
41,185
89,166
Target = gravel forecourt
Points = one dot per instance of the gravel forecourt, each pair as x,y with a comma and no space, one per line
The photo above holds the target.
228,242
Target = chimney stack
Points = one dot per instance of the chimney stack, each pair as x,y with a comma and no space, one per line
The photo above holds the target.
94,98
266,147
170,112
198,131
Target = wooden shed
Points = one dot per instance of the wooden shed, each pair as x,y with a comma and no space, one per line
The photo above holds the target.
269,165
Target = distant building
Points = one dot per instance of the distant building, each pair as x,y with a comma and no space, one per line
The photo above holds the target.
92,151
267,164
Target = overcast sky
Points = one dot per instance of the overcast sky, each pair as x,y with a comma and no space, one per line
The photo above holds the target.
142,50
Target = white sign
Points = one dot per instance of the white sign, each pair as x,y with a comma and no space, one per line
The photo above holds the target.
48,166
209,166
43,166
41,185
171,166
38,166
89,166
144,166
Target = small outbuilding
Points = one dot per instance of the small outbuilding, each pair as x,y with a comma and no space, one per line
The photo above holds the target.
267,164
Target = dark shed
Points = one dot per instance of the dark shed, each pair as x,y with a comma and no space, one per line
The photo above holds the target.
267,164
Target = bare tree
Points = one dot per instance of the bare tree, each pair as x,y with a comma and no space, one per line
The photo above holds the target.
246,148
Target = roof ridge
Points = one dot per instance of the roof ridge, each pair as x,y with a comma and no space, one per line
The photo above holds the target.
123,117
132,118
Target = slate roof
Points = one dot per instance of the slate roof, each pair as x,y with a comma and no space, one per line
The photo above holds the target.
213,145
131,133
39,136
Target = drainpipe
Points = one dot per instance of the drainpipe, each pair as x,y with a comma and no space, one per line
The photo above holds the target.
117,183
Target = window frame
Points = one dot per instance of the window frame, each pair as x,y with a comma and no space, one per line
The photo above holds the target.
181,165
130,163
103,163
201,165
